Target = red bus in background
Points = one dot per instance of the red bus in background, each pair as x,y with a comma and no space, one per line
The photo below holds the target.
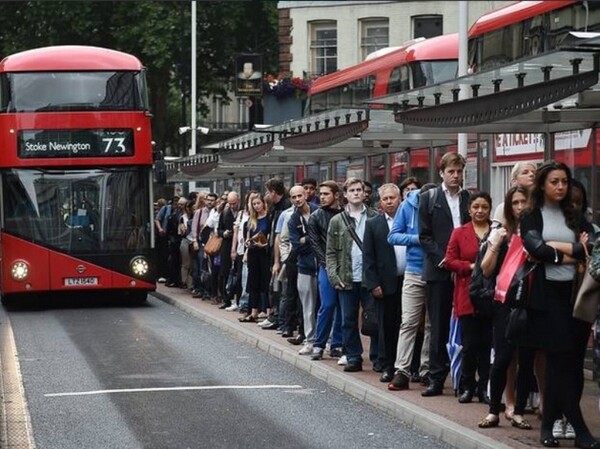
527,28
416,64
75,173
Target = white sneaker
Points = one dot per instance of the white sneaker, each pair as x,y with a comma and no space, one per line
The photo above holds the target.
343,361
232,308
262,315
262,323
161,280
558,429
569,431
307,349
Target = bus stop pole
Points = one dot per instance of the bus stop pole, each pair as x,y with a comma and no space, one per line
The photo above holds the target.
193,87
463,14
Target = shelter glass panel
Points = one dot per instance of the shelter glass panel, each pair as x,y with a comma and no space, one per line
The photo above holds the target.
377,166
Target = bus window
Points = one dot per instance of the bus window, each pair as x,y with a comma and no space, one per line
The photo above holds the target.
501,46
399,80
73,91
433,72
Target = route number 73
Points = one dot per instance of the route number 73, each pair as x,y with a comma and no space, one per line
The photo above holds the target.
114,145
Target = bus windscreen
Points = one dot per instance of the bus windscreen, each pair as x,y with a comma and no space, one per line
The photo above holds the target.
78,211
72,91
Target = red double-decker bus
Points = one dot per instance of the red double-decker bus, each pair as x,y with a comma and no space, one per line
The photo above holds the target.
415,64
75,173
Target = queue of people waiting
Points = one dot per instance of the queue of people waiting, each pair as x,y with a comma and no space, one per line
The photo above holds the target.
321,264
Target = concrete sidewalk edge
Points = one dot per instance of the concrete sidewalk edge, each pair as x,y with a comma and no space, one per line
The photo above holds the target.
422,419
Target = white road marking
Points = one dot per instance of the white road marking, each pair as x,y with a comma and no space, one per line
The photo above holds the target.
204,387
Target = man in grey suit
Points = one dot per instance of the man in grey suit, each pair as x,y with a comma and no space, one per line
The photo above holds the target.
441,210
383,274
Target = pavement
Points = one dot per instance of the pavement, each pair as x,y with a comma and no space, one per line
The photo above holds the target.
440,416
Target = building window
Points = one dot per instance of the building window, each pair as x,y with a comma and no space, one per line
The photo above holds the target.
375,35
427,26
323,47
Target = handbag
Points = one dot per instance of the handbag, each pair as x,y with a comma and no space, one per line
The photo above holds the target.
515,278
370,323
482,289
594,265
516,324
581,267
587,299
213,245
232,281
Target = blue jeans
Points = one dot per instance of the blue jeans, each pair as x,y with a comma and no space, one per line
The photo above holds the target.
350,303
329,314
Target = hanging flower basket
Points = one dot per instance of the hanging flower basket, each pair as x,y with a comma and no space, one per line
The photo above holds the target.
284,86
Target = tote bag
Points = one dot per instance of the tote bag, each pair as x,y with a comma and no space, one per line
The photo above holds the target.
515,279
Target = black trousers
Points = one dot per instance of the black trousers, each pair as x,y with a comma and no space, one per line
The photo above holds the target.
389,317
439,308
476,332
564,366
503,354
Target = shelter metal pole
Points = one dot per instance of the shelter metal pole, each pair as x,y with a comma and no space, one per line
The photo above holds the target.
193,102
463,13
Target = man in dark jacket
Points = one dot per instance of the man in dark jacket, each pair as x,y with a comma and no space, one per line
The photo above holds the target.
225,230
306,263
383,274
441,210
318,223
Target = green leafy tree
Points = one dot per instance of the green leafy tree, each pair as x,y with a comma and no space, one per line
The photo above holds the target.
158,33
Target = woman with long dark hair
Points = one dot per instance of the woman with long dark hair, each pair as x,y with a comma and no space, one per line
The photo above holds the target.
499,240
554,233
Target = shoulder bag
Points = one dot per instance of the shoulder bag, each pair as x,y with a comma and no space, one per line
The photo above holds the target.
213,245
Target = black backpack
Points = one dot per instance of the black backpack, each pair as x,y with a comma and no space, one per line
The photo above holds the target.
173,222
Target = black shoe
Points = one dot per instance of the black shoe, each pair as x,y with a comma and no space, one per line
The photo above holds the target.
425,380
466,397
415,377
353,367
434,389
386,376
547,439
399,382
483,397
336,353
287,334
296,341
377,367
225,305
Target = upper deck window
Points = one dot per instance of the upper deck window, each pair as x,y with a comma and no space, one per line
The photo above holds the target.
73,91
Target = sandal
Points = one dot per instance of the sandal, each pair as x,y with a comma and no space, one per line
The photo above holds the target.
522,424
248,319
486,423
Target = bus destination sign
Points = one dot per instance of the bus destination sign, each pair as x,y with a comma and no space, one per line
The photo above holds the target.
75,143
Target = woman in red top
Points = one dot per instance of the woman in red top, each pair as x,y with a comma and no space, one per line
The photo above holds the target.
461,254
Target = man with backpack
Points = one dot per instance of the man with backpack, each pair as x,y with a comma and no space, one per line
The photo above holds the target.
441,210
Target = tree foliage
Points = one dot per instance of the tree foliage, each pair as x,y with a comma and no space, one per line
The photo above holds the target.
158,33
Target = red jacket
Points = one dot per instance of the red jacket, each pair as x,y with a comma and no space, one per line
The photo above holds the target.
461,252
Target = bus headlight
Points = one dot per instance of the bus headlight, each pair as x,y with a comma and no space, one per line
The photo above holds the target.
139,266
19,270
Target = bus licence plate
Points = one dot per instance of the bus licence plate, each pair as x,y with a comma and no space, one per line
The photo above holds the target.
81,281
